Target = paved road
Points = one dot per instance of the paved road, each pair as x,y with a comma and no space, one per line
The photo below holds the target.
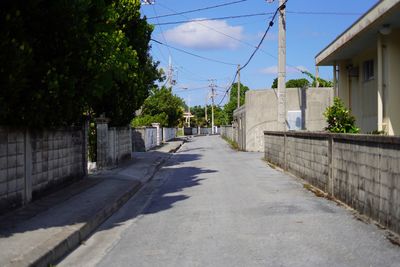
211,206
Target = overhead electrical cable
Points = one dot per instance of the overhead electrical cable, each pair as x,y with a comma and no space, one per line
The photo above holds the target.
270,24
324,13
195,55
257,15
229,88
219,18
222,33
162,32
196,10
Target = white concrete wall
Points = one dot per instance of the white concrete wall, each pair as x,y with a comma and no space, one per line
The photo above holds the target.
392,96
261,111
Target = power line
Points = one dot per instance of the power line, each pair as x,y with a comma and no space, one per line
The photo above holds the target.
271,23
219,18
195,55
222,33
324,13
229,88
199,9
257,15
162,32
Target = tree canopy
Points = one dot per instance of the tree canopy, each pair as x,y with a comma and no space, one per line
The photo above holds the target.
232,104
62,59
162,107
304,83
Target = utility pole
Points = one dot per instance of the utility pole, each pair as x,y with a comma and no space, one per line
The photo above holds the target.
170,73
316,76
282,67
212,86
189,111
205,109
238,88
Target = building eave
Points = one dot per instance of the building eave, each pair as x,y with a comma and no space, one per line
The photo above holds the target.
365,22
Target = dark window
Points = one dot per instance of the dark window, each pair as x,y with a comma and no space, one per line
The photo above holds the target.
368,68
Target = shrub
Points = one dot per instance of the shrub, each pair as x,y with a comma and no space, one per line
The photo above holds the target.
339,118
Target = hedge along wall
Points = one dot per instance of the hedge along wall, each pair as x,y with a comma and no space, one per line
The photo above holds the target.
363,171
32,162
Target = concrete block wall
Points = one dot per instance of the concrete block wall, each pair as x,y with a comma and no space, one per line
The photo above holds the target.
361,170
32,162
120,144
169,134
206,131
366,176
114,144
12,168
144,138
275,149
307,157
56,155
227,132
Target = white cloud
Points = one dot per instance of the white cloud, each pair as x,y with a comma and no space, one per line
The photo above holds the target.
201,35
289,69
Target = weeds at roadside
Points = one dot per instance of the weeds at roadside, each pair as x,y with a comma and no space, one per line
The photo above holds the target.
231,143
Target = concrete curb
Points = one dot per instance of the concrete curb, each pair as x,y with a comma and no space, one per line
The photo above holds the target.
79,234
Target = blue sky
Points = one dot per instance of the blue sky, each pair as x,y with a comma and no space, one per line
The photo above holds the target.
233,40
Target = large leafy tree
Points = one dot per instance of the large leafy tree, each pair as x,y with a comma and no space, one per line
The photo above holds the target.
232,104
162,107
304,83
60,59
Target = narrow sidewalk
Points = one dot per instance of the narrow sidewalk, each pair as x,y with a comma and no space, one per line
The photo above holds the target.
47,229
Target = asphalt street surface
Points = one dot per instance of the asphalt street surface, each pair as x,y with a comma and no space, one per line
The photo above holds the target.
213,206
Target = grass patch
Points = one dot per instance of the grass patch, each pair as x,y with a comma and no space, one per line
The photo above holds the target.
231,143
179,132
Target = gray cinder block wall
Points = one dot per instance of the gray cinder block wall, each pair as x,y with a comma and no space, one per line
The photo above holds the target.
32,162
363,171
227,131
114,144
168,134
144,138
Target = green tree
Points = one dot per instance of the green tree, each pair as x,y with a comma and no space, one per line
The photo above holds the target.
162,107
199,116
61,59
301,83
232,104
339,118
321,82
293,83
297,83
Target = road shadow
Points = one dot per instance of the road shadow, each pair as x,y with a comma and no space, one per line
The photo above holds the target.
183,178
54,210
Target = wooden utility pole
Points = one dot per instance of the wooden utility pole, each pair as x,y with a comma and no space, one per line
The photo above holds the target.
238,87
282,67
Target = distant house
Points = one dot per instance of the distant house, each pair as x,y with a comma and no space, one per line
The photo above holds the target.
366,61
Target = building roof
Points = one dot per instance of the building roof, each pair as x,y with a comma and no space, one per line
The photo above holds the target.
361,34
